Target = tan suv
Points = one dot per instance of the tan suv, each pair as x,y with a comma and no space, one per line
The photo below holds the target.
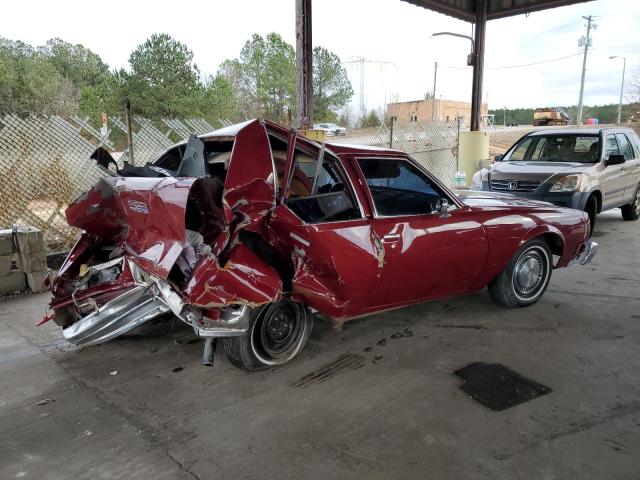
590,169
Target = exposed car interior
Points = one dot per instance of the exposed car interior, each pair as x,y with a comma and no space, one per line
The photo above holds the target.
399,188
317,191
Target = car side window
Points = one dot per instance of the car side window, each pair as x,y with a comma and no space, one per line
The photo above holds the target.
635,140
170,160
625,146
612,146
318,190
399,188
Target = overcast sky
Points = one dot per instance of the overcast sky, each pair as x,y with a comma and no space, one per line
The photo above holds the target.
389,31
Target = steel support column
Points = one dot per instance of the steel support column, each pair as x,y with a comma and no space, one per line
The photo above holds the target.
478,63
304,65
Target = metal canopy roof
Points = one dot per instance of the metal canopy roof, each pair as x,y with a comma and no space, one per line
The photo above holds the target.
466,9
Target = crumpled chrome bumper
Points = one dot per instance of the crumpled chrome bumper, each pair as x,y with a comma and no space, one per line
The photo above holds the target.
150,298
118,316
588,252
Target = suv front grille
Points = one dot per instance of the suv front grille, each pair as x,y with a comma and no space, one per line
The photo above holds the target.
514,185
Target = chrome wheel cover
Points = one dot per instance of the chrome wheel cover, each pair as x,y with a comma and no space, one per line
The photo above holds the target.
530,273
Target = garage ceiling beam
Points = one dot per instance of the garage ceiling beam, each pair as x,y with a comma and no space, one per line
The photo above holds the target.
466,9
478,63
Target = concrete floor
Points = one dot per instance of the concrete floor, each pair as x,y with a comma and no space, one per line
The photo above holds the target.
389,411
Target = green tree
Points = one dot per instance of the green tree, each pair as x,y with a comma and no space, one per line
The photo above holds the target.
331,87
163,81
31,83
263,77
264,80
218,100
371,120
76,63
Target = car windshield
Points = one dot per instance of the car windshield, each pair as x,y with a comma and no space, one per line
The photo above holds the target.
556,148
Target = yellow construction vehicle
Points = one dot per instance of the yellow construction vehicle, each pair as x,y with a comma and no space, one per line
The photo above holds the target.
550,116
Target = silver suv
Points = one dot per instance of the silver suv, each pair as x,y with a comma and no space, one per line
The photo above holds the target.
590,169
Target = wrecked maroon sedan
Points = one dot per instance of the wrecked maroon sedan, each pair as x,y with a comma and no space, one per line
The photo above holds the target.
245,232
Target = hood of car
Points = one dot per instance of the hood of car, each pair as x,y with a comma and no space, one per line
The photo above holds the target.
534,171
475,198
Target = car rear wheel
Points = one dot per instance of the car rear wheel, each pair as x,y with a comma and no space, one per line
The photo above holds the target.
525,278
631,211
277,333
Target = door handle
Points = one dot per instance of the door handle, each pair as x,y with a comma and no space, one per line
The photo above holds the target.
391,237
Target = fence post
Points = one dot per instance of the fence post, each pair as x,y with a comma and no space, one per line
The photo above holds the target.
127,110
391,132
458,121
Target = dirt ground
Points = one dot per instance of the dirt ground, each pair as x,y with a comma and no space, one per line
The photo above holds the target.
378,400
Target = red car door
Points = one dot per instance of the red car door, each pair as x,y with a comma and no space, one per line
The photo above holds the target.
320,225
427,253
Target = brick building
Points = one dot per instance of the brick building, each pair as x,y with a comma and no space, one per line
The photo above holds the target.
421,110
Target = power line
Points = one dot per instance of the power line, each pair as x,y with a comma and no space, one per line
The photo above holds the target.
535,63
517,66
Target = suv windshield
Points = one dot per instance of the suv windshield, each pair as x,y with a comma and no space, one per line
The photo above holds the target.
556,148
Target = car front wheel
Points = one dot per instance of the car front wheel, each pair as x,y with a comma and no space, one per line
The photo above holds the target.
277,333
631,211
525,278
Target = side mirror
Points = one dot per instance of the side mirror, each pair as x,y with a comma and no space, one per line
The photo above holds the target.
444,208
614,160
498,157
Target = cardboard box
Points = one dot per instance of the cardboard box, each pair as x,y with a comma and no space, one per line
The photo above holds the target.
12,283
35,280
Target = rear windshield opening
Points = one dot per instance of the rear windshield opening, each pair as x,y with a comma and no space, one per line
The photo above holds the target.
217,155
556,148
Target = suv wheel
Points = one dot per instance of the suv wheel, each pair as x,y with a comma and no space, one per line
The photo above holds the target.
592,209
631,211
525,278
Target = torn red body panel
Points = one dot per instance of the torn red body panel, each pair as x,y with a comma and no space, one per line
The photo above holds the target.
250,184
245,279
146,216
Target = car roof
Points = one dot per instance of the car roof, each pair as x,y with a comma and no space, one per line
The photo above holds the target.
577,131
229,133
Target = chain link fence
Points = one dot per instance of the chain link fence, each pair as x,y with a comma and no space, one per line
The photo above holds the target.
433,144
45,165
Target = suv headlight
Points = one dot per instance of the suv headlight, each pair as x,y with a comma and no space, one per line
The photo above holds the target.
570,183
479,177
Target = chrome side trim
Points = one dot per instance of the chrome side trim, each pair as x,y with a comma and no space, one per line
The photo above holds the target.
117,317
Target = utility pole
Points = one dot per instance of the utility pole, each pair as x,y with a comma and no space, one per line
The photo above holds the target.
504,118
586,42
624,67
363,110
304,65
433,98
